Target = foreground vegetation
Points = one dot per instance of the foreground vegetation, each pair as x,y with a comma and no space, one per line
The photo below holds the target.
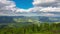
38,28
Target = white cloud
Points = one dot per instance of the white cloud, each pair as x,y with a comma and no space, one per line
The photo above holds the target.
41,8
46,3
50,9
43,1
9,8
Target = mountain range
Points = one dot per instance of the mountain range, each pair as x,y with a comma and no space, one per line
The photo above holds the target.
10,19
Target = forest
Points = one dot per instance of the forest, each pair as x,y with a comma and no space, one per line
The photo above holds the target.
21,26
42,28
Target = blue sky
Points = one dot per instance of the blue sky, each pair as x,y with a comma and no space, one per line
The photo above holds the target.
25,4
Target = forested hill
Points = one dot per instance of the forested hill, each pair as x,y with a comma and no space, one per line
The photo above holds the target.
9,19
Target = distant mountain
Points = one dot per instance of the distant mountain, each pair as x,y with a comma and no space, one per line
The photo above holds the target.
9,19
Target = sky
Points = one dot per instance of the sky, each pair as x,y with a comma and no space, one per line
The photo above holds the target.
48,8
25,4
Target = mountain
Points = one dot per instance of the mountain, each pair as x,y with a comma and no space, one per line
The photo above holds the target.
10,19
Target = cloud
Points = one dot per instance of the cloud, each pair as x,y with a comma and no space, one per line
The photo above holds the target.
49,8
42,1
8,8
46,3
